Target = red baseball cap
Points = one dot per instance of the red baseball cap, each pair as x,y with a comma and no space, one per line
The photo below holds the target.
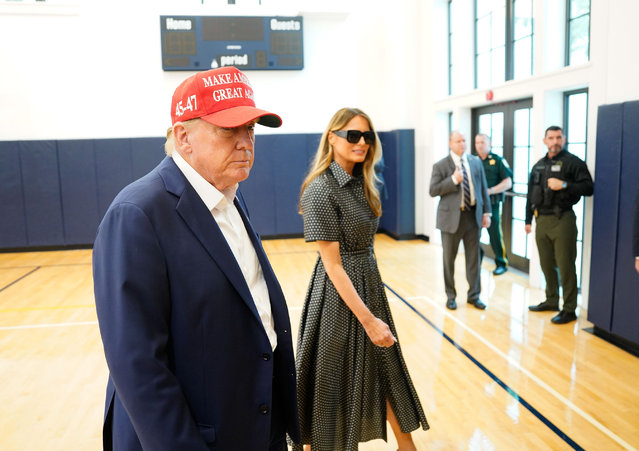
221,97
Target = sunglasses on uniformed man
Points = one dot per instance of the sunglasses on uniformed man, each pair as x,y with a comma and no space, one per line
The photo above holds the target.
353,136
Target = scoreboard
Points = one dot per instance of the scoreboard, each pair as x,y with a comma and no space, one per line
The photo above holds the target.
193,43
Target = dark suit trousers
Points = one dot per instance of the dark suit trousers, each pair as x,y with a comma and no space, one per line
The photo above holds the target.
557,245
468,232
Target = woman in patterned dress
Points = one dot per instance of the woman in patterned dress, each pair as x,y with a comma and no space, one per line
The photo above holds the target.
351,374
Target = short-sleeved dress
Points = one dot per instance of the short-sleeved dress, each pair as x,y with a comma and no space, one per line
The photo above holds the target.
343,378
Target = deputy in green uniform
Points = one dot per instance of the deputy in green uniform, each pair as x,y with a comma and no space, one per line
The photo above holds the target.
499,177
556,183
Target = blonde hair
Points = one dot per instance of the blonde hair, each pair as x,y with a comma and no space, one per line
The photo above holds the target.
169,144
324,157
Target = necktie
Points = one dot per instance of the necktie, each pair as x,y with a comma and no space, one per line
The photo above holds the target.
465,186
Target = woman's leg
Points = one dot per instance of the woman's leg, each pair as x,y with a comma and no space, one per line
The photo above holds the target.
404,439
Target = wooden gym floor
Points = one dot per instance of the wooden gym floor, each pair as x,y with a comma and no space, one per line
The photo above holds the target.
500,379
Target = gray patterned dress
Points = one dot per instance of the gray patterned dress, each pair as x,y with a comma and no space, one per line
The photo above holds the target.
343,379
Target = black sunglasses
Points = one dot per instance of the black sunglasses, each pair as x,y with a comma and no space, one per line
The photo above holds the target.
353,136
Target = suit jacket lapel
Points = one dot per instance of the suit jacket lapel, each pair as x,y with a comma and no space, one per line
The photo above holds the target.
201,222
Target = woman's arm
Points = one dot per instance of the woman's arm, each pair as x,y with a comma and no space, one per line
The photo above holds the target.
376,329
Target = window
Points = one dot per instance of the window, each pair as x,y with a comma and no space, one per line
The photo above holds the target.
577,31
522,42
503,41
575,127
450,47
490,42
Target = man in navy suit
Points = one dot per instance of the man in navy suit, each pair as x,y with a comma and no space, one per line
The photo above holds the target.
464,208
195,327
635,233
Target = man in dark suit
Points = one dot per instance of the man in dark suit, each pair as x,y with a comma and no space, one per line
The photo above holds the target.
464,208
194,324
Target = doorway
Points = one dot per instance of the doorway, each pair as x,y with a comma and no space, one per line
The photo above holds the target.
508,125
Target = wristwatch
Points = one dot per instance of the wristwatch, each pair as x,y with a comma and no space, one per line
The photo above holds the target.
564,185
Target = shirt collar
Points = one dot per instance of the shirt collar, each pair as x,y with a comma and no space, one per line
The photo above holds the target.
211,196
456,158
340,174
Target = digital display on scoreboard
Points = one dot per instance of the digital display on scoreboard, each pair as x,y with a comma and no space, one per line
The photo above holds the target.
192,43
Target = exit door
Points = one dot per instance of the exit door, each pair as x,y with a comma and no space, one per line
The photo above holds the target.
509,127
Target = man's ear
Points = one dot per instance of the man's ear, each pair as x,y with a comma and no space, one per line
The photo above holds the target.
181,136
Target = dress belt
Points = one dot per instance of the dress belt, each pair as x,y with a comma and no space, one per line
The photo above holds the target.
366,251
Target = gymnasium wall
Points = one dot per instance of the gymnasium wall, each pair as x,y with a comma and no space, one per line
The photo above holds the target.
53,193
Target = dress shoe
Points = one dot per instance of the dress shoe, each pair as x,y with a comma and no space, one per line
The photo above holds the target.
544,307
451,304
478,304
500,270
564,317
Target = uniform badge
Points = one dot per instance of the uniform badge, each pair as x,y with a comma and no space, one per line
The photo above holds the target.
491,162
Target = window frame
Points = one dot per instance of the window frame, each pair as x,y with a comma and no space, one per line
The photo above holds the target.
509,44
569,21
566,126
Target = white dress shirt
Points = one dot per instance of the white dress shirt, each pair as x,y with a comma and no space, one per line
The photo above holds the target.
221,206
457,159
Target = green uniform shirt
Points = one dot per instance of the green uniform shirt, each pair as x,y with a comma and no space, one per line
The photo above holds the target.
496,169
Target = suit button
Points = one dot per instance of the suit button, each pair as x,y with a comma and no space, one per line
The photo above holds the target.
266,356
264,409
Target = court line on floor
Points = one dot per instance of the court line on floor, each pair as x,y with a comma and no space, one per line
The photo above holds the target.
490,374
42,326
540,382
20,278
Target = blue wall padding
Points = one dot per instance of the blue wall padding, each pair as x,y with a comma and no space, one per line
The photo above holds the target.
13,229
626,298
54,193
605,209
42,203
398,217
614,283
78,191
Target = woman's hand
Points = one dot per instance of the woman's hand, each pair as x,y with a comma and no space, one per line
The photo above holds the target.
379,332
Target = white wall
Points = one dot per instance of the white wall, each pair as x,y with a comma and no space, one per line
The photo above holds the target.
94,70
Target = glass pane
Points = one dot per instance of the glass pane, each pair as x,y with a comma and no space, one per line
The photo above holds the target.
522,55
497,131
499,27
518,242
484,124
499,65
520,165
497,150
579,40
522,127
577,149
579,7
519,208
523,25
483,70
578,112
483,7
521,188
483,35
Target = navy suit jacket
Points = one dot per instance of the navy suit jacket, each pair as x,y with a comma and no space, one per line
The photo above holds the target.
441,184
191,366
635,229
